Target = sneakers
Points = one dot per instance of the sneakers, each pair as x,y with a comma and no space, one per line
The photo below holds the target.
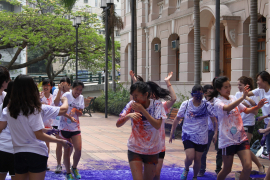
58,169
76,173
69,177
184,175
201,174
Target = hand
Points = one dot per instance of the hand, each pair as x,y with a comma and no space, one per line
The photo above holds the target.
66,144
73,119
132,75
135,116
168,78
261,131
245,92
260,118
53,131
41,94
137,107
214,138
262,103
171,138
263,140
61,86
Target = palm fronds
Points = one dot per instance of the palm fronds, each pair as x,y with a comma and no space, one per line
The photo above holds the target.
68,4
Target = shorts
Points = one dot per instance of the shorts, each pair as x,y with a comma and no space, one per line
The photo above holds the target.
69,134
30,162
55,127
146,159
233,149
198,147
249,129
161,155
7,163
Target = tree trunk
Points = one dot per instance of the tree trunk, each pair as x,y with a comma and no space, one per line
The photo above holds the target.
197,43
254,40
135,37
113,60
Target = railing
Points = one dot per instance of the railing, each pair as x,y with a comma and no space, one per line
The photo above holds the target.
86,78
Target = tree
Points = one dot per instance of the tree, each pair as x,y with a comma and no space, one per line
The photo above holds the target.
114,21
197,43
45,26
254,40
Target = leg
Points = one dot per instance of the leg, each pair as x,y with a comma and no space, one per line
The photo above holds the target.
267,174
227,167
149,171
77,144
136,170
190,155
197,163
203,159
58,151
218,158
67,159
48,145
245,158
3,176
37,176
158,169
22,176
253,157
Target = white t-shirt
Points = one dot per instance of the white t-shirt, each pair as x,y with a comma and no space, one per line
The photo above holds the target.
2,97
6,145
144,138
266,108
65,123
56,121
248,119
231,129
162,134
195,126
48,101
22,132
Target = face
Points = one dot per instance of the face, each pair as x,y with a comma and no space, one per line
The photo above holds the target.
77,91
208,93
241,86
225,91
139,97
66,87
47,88
261,84
5,84
198,95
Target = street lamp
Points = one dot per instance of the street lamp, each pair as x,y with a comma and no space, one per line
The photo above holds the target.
76,22
106,4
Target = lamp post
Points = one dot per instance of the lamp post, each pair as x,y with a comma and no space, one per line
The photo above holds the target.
106,4
76,23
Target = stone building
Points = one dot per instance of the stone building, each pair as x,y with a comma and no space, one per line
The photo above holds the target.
165,36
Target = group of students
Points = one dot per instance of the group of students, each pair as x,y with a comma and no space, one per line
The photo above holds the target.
212,114
29,118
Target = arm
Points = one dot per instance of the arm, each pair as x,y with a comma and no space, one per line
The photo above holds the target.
255,108
123,119
174,125
64,107
57,99
156,123
132,75
253,103
3,125
172,93
214,121
250,93
233,105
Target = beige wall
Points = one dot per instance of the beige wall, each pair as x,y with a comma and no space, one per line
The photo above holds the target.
177,22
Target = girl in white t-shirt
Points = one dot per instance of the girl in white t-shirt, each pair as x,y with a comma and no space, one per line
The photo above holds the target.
144,142
70,128
232,136
249,119
63,87
23,116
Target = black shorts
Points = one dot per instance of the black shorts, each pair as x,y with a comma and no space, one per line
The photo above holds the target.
7,163
198,147
55,127
30,162
249,129
233,149
147,159
161,155
68,134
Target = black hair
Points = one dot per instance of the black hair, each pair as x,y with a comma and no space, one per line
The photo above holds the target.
53,83
197,87
217,84
77,83
4,75
265,76
47,82
7,97
247,81
65,79
158,91
24,97
142,87
139,78
206,87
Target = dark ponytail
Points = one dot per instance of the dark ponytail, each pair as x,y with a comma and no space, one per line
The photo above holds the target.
247,81
7,97
158,91
142,87
217,84
265,76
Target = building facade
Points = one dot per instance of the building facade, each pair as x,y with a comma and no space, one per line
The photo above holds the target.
165,36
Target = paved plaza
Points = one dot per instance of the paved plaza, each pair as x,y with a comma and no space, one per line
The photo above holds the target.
104,153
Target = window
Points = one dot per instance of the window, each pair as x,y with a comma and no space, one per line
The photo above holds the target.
178,4
127,6
206,66
261,54
160,4
117,33
96,3
85,1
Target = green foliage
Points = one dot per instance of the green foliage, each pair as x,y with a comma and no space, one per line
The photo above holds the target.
180,99
258,125
116,100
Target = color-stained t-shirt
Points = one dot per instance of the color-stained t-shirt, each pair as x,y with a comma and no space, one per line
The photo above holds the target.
144,138
73,104
195,126
165,111
48,101
231,130
56,121
266,108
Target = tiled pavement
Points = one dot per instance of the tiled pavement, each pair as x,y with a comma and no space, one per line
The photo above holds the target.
104,153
